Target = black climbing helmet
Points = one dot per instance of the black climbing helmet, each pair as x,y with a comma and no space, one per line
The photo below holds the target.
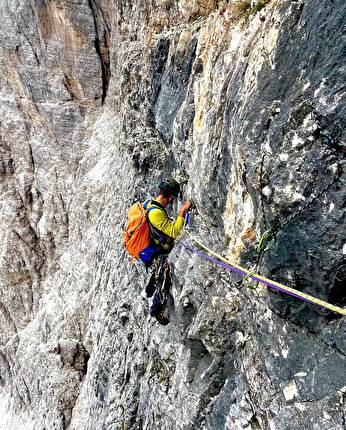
170,186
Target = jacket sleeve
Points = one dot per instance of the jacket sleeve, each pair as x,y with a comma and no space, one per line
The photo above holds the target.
160,220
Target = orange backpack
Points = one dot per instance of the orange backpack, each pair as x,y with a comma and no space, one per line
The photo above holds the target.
136,236
137,239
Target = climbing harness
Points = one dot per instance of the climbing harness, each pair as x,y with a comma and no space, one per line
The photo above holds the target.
258,278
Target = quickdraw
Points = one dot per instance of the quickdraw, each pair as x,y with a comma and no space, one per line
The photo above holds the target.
247,278
332,147
270,283
267,236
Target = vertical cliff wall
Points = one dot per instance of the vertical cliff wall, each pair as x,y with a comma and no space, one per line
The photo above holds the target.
99,101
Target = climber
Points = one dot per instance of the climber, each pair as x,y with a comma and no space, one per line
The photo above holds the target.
163,232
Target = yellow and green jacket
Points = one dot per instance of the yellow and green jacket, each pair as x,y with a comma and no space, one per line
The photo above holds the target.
162,229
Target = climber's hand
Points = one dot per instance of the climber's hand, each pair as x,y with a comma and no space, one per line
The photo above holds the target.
183,210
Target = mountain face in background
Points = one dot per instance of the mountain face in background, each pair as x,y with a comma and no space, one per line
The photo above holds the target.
100,100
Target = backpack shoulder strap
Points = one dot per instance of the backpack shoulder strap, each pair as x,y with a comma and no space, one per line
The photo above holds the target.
155,232
145,204
156,205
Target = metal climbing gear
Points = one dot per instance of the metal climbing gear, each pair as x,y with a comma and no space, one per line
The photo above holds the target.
159,304
267,236
333,148
270,283
247,281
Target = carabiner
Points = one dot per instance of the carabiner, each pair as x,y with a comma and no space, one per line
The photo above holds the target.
268,234
247,282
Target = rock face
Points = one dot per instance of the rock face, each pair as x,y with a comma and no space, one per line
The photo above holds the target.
102,99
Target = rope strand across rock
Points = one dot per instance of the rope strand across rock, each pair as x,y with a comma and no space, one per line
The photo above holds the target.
245,272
